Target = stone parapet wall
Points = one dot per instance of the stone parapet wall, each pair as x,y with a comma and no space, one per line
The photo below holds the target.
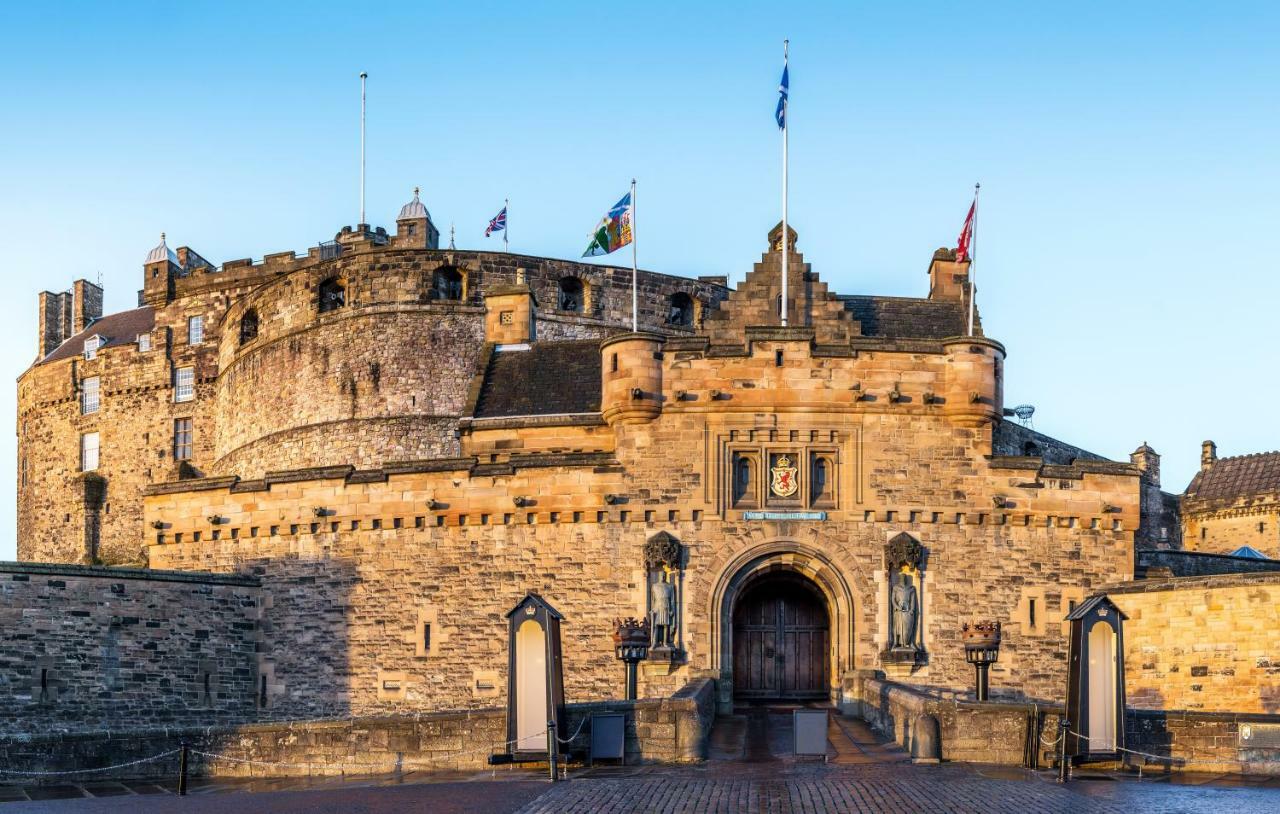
105,648
1009,734
658,730
1202,741
1207,643
1200,563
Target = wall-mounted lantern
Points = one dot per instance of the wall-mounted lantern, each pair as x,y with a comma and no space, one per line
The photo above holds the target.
1095,680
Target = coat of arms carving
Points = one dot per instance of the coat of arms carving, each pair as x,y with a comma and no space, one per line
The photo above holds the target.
785,478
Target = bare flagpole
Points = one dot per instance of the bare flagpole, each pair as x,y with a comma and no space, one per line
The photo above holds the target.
786,126
973,253
635,315
363,77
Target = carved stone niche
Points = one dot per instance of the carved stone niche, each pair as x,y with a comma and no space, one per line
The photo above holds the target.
904,580
664,561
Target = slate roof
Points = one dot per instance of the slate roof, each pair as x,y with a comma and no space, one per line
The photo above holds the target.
1230,480
1011,438
550,378
115,329
907,317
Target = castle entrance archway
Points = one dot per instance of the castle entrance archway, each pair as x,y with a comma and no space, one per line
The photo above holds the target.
789,597
781,640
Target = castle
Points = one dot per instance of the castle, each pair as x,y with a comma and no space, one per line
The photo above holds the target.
393,443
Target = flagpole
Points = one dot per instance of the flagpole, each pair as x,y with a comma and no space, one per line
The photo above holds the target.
786,126
635,316
363,77
506,226
973,253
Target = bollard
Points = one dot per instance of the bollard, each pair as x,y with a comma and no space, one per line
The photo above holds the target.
1064,768
551,749
182,771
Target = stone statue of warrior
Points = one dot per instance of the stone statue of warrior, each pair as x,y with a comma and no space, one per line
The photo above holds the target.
903,599
662,603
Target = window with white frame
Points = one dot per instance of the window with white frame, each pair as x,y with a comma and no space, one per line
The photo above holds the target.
91,346
88,452
144,342
195,330
89,395
184,384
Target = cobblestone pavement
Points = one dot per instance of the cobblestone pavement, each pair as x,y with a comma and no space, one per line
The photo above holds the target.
749,770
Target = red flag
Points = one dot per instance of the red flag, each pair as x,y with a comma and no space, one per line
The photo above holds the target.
966,234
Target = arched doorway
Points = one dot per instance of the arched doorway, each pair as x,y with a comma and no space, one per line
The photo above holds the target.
781,639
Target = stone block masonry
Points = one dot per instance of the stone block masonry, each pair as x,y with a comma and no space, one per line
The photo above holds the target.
86,648
1209,644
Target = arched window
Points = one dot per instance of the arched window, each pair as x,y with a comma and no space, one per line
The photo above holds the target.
446,284
1031,450
248,326
680,310
570,296
332,295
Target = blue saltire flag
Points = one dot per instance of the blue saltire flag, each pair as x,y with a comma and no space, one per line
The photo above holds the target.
781,113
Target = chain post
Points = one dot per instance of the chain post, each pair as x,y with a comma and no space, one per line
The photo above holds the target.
1064,768
182,771
551,750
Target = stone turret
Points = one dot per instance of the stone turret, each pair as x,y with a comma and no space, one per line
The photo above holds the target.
414,228
974,393
159,271
631,372
1148,460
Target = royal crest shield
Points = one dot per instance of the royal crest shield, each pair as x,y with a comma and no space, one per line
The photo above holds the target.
785,477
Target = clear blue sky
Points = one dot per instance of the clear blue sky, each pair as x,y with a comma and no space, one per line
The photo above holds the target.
1127,153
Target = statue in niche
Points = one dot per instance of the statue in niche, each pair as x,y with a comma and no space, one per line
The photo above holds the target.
663,559
662,602
904,562
905,609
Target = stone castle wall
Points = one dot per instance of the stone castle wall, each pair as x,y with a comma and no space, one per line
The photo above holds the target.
1224,530
1209,644
95,648
382,379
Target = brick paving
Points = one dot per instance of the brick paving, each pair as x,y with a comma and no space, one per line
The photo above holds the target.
749,770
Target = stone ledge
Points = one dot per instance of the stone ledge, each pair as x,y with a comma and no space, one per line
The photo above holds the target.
1192,583
146,574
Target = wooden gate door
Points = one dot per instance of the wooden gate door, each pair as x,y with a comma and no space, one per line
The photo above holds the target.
780,643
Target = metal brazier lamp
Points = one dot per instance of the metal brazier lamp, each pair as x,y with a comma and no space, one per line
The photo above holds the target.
631,646
981,649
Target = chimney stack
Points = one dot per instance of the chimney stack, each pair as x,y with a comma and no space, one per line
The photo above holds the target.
86,305
1208,454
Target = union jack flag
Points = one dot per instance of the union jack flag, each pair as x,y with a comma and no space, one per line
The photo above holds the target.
498,223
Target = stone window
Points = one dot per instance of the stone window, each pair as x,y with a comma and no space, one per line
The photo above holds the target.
184,384
446,284
89,401
680,310
144,343
195,330
332,295
570,296
1031,450
182,439
248,326
89,452
91,346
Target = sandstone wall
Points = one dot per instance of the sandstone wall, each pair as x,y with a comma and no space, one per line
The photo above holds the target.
1225,530
1202,643
382,379
86,648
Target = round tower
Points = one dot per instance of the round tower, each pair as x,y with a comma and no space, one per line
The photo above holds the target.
975,381
631,371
